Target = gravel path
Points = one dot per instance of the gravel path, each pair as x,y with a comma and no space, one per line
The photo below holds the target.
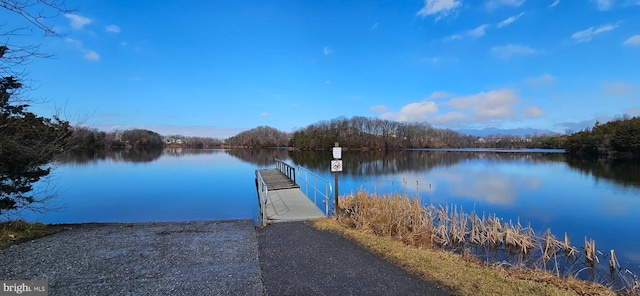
297,259
192,258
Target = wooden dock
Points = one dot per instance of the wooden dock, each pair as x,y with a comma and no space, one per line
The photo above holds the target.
282,200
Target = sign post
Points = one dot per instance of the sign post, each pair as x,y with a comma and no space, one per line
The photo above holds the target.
336,167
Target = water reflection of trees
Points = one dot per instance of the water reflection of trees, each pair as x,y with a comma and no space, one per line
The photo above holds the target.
359,164
87,156
259,157
621,172
179,151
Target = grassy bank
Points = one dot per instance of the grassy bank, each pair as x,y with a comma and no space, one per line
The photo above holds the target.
15,232
398,229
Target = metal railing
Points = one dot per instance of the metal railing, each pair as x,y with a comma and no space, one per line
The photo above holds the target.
261,186
286,169
312,180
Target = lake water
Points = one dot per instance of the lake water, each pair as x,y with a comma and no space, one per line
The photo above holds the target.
599,200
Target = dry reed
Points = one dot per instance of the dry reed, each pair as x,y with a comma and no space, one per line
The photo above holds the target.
406,219
449,227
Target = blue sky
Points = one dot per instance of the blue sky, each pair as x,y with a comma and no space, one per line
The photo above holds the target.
215,68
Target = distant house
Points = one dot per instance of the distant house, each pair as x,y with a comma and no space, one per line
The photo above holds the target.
174,141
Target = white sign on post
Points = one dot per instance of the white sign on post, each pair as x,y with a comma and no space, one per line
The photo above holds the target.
337,152
336,166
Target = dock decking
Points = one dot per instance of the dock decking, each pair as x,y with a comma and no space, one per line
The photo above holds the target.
284,199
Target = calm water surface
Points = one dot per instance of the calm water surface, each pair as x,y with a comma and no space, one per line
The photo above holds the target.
599,200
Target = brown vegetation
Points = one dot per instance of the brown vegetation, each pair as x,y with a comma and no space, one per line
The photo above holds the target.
462,235
18,231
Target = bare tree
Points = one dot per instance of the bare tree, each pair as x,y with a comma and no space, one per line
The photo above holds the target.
35,15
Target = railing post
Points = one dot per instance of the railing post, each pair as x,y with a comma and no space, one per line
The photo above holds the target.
326,190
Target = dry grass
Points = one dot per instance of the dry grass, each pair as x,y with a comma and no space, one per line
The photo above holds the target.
403,231
463,276
18,231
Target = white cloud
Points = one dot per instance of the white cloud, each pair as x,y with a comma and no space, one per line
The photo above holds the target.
544,79
482,108
326,50
88,54
555,3
441,8
588,34
74,43
475,33
92,56
265,114
379,108
112,29
493,4
633,40
453,37
478,32
416,111
617,88
533,112
450,118
440,95
509,20
412,112
633,111
603,4
508,50
497,104
77,21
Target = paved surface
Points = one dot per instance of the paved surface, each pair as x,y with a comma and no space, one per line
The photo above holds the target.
297,259
205,258
193,258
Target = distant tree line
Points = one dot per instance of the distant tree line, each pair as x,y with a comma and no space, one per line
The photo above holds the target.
368,133
84,138
192,142
362,133
90,138
614,139
356,133
259,137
